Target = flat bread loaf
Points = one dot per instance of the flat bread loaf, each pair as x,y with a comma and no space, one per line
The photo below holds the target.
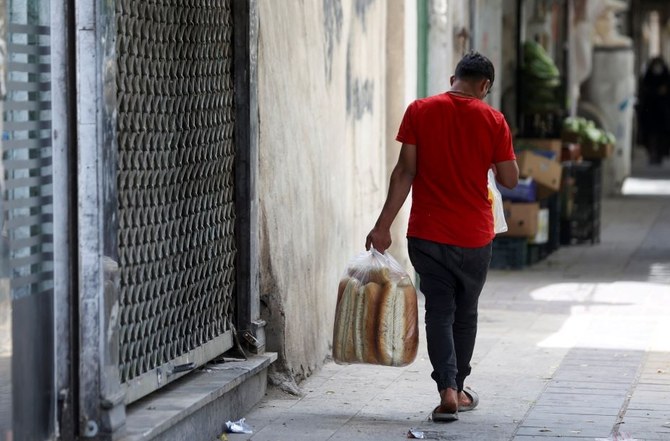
397,339
343,348
375,323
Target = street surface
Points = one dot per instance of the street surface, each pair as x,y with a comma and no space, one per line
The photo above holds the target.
576,347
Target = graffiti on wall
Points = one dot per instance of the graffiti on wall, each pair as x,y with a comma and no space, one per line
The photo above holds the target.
361,8
359,90
332,23
360,93
360,87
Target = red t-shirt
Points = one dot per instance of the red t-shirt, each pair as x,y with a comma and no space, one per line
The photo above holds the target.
457,139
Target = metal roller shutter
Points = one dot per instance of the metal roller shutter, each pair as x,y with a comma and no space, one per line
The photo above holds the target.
175,187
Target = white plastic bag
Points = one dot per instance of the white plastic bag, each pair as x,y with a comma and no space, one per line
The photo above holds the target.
376,318
499,224
239,426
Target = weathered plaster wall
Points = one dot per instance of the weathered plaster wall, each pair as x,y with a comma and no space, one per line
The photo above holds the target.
508,63
401,88
322,170
487,38
456,27
449,36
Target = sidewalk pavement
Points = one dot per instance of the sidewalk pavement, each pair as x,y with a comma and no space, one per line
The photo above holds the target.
576,347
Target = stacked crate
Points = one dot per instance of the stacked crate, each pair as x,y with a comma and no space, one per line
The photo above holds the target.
509,253
540,251
582,180
532,208
559,201
581,202
542,215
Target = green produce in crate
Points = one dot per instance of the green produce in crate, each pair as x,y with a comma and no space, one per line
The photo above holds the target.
572,124
592,134
541,80
541,90
538,63
609,138
587,130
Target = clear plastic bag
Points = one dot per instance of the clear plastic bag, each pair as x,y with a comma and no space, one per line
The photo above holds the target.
376,318
239,426
499,223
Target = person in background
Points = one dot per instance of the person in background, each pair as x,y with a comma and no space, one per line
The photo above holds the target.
653,110
449,143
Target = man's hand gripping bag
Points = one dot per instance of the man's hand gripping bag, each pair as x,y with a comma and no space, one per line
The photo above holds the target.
376,319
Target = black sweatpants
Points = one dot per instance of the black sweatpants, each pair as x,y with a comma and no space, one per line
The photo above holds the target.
451,279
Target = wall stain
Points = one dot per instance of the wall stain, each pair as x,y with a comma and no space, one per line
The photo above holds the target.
332,23
361,7
360,93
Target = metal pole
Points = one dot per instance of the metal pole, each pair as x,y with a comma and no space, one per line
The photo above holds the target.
519,60
101,398
62,114
422,49
245,53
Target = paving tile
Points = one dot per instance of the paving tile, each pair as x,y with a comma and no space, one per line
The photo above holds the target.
657,406
302,426
583,391
568,400
551,438
372,430
566,432
576,409
648,413
589,385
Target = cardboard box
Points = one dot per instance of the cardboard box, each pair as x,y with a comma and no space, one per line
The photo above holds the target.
545,172
571,152
525,191
571,137
521,218
552,145
542,235
592,150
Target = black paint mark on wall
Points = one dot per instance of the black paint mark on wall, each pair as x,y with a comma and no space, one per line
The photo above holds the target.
360,93
332,23
361,7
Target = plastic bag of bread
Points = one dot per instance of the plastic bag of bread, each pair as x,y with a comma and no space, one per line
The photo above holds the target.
376,318
499,222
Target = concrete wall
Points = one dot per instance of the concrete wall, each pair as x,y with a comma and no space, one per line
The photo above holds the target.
401,89
333,86
449,35
507,72
456,27
322,171
487,36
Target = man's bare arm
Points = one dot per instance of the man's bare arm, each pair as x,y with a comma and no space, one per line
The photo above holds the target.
507,173
401,182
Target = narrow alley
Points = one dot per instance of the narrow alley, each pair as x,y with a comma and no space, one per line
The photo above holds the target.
573,348
184,183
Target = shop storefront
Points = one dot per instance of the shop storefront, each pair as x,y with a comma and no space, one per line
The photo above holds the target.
574,96
127,240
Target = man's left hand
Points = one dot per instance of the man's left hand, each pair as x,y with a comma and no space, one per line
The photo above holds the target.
378,238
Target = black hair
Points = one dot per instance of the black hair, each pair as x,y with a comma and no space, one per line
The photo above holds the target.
475,66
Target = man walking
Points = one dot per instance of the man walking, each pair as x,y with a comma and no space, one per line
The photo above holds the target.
449,142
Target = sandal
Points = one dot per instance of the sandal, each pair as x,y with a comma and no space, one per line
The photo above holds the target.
444,417
473,396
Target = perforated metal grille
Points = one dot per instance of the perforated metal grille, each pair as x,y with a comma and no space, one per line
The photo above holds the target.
175,178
